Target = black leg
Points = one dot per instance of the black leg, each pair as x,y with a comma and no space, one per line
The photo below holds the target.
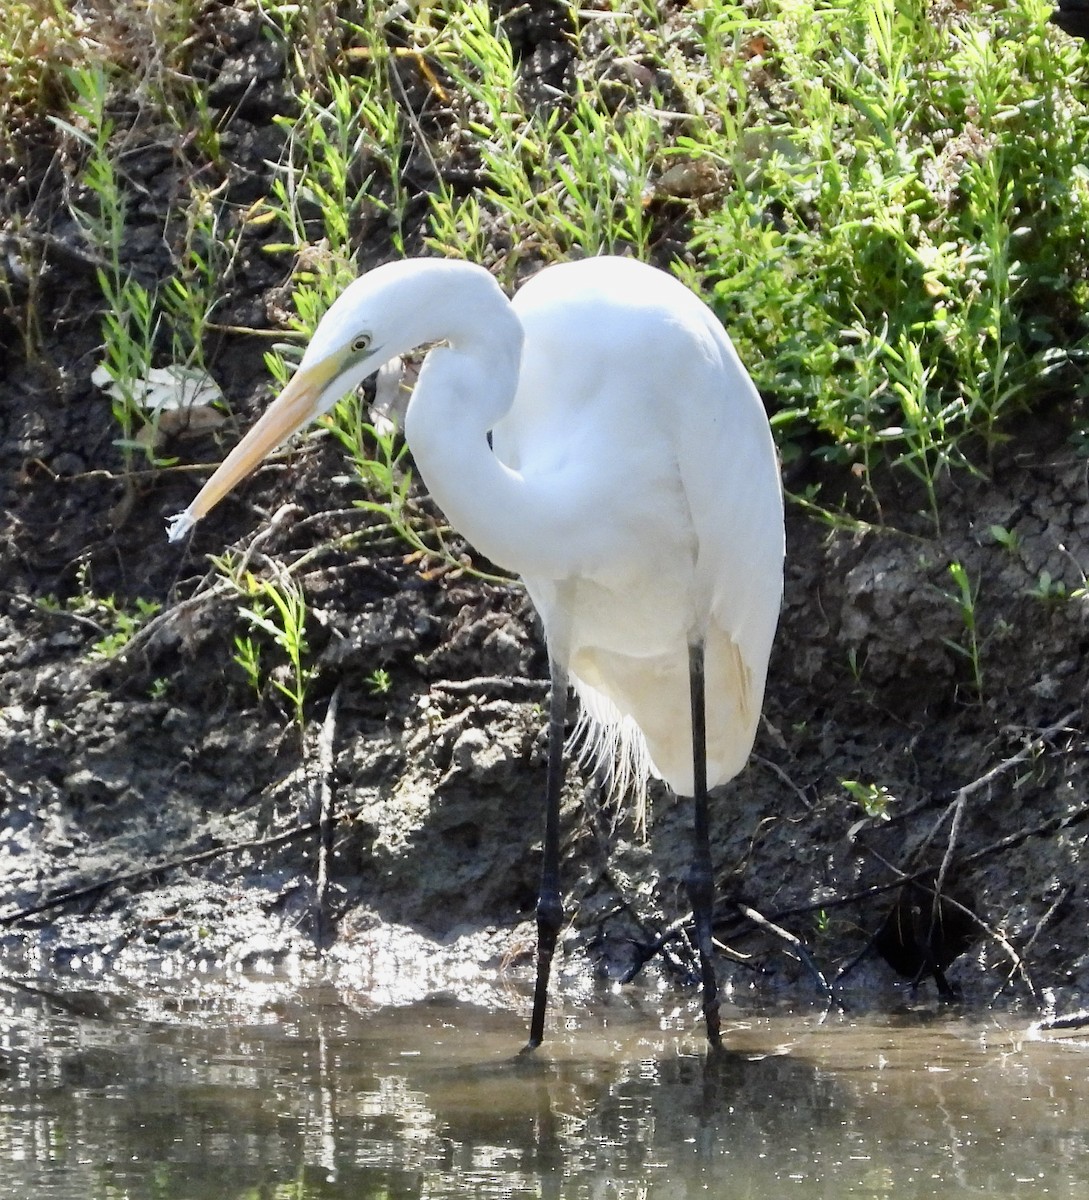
549,903
701,879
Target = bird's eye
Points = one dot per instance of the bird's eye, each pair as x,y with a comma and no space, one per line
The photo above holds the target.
361,343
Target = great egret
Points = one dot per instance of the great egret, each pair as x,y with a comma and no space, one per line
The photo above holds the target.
599,436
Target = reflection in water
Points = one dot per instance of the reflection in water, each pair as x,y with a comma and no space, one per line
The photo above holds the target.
280,1093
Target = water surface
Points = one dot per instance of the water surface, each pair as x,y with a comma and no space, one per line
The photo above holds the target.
262,1090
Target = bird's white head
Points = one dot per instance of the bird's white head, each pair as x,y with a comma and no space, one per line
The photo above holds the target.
385,313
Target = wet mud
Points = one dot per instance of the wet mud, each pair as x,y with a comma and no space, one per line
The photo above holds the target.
156,814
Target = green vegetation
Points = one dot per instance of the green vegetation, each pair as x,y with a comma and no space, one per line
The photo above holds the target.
128,317
114,623
38,41
275,607
969,646
885,202
1048,589
902,255
1006,537
872,798
379,681
140,323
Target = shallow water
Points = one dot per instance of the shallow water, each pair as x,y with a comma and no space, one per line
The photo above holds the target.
265,1090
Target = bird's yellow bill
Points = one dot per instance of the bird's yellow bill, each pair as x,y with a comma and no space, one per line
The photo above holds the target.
297,405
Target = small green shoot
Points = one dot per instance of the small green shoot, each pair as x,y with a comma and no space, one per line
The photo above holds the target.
872,798
278,609
1008,538
247,655
125,625
379,682
965,598
115,622
1050,590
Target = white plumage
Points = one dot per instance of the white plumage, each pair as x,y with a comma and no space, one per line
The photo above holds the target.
599,437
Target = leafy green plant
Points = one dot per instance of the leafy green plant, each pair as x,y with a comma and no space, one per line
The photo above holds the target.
134,313
871,256
1052,590
348,133
872,798
129,318
125,624
204,250
38,40
115,622
247,655
275,607
379,682
560,181
379,459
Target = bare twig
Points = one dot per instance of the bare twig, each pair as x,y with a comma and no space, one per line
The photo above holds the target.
325,811
1040,925
940,898
795,945
780,774
1065,1023
1018,962
503,685
70,895
422,141
1007,764
1051,825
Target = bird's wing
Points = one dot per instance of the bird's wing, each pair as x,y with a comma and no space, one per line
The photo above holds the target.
730,472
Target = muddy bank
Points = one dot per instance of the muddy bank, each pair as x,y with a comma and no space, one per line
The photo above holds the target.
437,782
154,810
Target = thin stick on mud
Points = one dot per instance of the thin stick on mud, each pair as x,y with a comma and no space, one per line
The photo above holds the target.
325,813
956,805
71,895
795,946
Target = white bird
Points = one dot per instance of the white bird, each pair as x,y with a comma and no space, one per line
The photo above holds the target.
599,437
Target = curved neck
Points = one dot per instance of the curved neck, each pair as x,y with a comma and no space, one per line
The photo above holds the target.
463,391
